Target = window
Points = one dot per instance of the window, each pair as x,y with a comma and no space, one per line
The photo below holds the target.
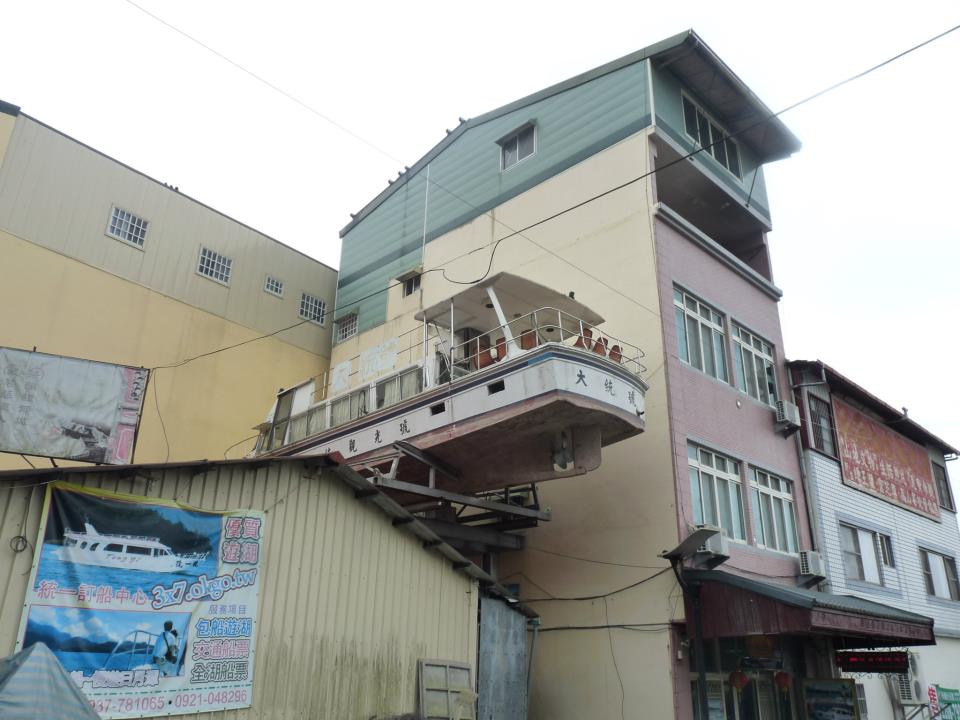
346,327
940,575
865,554
273,286
411,285
710,136
774,519
349,407
113,547
399,387
862,700
312,308
715,490
518,146
127,226
281,418
821,425
943,487
445,691
700,335
753,366
214,265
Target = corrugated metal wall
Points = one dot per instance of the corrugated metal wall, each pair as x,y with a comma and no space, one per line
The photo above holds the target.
348,605
502,675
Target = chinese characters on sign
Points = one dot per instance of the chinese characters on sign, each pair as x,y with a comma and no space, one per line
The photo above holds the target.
883,463
150,606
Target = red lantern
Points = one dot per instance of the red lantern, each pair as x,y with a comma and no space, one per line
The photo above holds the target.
738,679
782,681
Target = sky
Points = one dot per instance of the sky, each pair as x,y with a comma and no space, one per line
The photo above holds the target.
865,245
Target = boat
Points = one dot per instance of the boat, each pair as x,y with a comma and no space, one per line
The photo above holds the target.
135,552
505,383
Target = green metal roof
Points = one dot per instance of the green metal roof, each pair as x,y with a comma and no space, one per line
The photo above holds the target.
808,599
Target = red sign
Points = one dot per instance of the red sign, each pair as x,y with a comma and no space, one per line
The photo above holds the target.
883,463
895,661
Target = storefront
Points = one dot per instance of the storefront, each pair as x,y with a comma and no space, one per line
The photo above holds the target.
769,649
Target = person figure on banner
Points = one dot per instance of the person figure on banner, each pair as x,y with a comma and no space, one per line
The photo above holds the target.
165,650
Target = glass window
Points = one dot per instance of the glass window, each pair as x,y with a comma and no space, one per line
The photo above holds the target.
940,575
821,425
700,335
865,554
707,133
715,491
313,308
127,226
518,147
273,285
214,265
346,327
943,487
411,285
753,366
774,517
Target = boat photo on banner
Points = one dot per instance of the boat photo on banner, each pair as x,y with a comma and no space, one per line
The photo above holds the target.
148,604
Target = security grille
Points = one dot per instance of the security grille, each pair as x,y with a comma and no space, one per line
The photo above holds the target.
312,308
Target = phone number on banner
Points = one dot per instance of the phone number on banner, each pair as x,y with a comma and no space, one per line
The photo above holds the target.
185,700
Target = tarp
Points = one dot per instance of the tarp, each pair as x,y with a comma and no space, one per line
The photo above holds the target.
34,686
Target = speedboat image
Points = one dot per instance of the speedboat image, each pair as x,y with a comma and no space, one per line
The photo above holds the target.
124,551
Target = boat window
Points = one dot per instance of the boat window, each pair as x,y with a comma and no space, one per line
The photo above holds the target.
94,546
83,545
114,547
399,387
69,542
137,550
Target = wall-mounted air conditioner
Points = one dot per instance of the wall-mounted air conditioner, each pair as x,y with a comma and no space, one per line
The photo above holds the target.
787,420
812,569
713,552
910,686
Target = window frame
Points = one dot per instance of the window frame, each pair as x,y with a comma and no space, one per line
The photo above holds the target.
411,284
944,480
950,576
214,259
787,503
278,292
881,547
128,220
514,136
712,124
827,431
716,327
311,301
351,321
731,476
739,346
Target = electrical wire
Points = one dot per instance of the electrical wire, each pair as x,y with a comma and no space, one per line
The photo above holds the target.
163,426
613,655
601,595
637,627
589,560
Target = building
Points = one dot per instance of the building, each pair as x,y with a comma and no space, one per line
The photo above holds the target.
634,191
886,521
104,263
360,610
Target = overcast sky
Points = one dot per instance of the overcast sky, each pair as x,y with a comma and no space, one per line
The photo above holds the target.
865,243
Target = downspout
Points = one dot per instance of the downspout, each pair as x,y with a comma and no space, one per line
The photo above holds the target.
698,648
535,622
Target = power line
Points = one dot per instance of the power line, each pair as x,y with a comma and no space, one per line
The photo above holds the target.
601,595
589,560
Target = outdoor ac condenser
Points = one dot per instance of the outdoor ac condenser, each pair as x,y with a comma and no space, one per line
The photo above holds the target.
787,418
910,686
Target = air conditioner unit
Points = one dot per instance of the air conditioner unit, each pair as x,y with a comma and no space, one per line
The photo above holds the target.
812,570
910,686
787,417
713,552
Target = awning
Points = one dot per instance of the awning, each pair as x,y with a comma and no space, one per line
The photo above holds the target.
734,606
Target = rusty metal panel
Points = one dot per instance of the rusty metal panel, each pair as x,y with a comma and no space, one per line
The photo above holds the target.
502,672
349,603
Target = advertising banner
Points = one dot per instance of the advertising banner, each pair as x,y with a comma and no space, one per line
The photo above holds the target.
830,699
883,463
944,702
149,605
68,408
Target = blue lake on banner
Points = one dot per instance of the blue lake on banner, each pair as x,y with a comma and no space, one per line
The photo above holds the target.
72,575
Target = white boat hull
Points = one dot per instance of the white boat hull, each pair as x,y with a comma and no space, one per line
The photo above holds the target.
169,564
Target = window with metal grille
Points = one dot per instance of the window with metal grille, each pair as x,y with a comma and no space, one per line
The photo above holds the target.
715,490
312,308
943,487
753,365
707,133
346,327
862,700
940,575
700,335
518,146
214,265
821,425
127,227
774,519
273,285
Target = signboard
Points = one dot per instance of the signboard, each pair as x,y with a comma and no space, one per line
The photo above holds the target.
69,408
893,661
944,702
830,700
883,463
149,605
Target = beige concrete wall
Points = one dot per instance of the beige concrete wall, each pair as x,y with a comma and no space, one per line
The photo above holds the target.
348,602
7,123
624,512
59,193
62,306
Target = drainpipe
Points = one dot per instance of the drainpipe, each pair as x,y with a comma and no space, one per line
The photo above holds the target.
698,649
535,622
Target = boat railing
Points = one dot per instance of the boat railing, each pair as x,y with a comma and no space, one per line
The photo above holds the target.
113,536
127,652
539,327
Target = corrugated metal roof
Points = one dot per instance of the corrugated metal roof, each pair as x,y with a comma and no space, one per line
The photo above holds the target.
808,599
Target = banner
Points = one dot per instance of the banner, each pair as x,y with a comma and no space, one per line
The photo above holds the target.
944,702
885,464
69,408
149,605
